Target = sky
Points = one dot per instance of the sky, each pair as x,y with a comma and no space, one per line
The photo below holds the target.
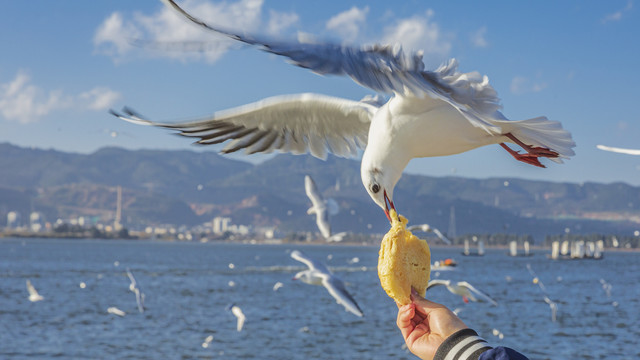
64,64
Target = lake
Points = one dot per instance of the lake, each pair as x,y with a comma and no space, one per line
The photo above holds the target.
187,287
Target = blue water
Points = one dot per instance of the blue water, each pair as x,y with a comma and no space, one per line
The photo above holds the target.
187,289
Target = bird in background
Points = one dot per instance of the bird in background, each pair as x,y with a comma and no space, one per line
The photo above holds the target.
619,150
318,274
133,286
464,289
426,228
33,293
237,312
429,113
320,207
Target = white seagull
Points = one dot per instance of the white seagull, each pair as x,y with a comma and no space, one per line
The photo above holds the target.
427,228
33,293
115,311
618,150
430,113
319,274
464,289
133,286
319,206
237,312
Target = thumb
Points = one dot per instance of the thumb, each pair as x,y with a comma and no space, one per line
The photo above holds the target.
426,306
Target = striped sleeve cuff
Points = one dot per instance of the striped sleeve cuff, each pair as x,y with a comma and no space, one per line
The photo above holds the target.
462,345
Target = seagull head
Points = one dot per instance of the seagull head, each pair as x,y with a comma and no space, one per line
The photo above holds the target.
380,187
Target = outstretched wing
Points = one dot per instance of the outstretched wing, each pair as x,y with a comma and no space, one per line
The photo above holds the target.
618,150
384,69
336,288
441,236
298,124
480,294
436,282
311,263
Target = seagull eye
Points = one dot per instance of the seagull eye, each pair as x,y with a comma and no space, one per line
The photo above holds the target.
375,188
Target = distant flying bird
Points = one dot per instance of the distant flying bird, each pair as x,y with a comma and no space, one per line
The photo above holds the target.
33,293
133,286
115,311
427,228
319,206
277,286
431,113
338,237
553,306
619,150
319,274
237,312
464,289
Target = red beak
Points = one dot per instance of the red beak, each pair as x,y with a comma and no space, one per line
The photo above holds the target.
388,204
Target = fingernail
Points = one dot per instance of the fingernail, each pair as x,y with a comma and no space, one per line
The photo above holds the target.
414,291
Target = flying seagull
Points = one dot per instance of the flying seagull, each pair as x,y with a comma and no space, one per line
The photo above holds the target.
427,228
133,286
237,312
319,274
464,289
430,113
319,206
618,150
33,293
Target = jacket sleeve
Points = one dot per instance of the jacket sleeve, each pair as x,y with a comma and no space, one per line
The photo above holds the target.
467,345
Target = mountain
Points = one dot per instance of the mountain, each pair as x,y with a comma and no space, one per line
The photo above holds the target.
189,188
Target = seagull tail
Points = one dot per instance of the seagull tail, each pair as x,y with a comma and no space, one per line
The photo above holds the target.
545,133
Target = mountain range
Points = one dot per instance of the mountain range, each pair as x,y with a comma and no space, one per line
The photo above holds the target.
190,188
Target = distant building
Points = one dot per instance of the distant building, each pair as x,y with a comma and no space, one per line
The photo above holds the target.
36,221
221,224
13,220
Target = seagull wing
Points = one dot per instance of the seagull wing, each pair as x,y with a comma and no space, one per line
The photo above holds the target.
313,193
298,124
336,288
311,263
619,150
438,282
240,315
441,236
475,291
32,290
134,284
384,69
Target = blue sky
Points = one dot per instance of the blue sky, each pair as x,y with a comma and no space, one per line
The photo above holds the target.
65,63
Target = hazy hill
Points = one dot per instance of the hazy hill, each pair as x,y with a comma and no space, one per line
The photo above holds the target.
186,187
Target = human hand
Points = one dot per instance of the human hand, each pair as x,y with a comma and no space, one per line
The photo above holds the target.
425,325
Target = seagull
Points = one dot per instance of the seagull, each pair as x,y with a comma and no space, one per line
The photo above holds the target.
427,228
338,237
136,290
33,293
319,274
277,286
464,289
619,150
320,207
115,311
235,310
553,306
429,113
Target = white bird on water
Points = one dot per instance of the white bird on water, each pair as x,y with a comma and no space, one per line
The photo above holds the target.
430,113
33,293
320,207
464,289
427,228
319,274
133,286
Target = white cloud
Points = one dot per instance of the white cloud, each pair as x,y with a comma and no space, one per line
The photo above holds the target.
419,32
26,103
617,16
165,29
278,21
348,23
522,85
478,38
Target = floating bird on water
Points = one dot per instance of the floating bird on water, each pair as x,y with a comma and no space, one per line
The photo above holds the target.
320,207
464,289
427,228
33,293
430,113
618,150
133,286
319,274
237,312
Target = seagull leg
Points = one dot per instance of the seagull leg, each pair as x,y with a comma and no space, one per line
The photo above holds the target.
533,150
526,158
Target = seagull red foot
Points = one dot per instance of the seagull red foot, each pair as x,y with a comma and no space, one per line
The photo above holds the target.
533,152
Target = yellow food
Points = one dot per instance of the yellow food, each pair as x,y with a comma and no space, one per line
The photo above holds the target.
404,261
